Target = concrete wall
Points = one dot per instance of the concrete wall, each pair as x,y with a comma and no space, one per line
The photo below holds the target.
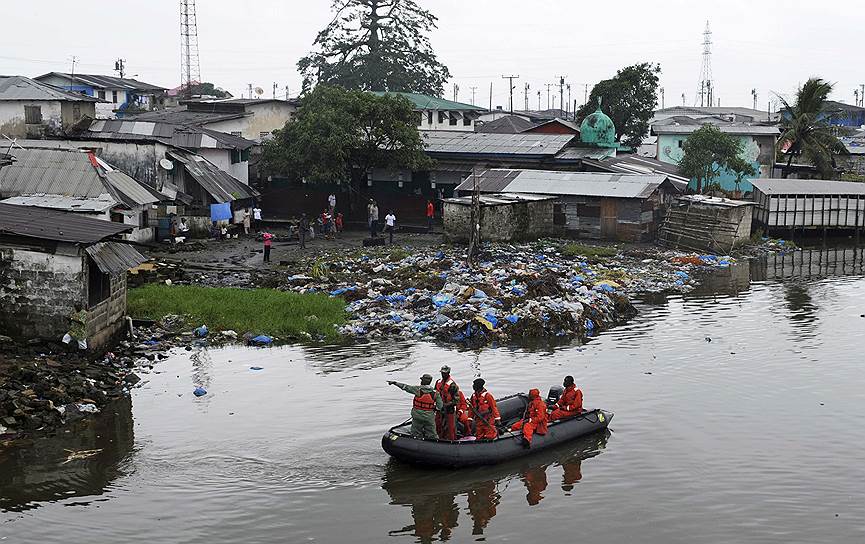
139,160
437,124
268,116
222,159
72,112
106,318
757,150
39,290
506,222
12,119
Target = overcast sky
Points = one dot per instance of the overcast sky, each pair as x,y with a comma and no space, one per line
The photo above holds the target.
772,46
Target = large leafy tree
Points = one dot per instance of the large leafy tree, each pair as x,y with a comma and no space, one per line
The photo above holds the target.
629,99
708,152
339,135
376,45
806,132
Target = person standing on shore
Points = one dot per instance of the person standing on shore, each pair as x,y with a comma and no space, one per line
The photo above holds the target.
268,240
430,215
331,202
389,225
246,221
373,218
256,217
302,230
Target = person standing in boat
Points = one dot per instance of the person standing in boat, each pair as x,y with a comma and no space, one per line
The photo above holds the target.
483,412
570,404
424,412
454,406
535,418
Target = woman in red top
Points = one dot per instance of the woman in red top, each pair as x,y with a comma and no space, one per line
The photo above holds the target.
268,240
430,214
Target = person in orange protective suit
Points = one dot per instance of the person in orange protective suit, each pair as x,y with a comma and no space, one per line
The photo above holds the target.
483,412
535,418
570,404
454,406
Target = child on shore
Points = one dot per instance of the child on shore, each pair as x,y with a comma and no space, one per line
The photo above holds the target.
268,241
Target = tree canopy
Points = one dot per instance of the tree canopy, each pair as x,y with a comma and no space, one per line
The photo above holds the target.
708,151
337,133
806,131
376,45
629,99
209,89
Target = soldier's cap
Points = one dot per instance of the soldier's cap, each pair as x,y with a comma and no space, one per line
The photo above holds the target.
446,368
426,378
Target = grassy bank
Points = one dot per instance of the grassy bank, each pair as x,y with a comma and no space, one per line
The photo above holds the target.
576,250
259,311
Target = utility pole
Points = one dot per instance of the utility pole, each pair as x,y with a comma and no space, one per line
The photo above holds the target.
856,97
286,92
120,67
275,85
683,99
456,93
548,86
569,101
586,95
491,96
74,60
862,95
473,94
539,100
662,98
754,96
511,89
526,91
562,92
250,91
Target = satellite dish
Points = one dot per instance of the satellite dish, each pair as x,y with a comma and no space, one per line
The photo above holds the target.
259,91
166,164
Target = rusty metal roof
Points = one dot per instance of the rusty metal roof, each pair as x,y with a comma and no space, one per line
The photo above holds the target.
178,135
220,185
56,225
113,258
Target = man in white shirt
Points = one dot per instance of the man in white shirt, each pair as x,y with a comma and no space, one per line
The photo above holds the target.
331,201
256,216
389,222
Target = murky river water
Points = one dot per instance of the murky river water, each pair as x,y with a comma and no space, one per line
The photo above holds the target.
754,436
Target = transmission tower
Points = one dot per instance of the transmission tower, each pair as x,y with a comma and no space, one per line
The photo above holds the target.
706,90
190,71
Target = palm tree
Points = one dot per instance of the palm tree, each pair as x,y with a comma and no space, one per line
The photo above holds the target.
806,130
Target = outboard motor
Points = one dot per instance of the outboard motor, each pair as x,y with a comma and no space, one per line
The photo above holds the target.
556,391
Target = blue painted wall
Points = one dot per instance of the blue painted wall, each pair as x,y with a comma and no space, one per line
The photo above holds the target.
670,151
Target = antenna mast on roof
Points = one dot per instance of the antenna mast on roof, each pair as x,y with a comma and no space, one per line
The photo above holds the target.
190,71
706,91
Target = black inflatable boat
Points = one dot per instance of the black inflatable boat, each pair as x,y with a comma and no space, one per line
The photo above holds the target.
399,443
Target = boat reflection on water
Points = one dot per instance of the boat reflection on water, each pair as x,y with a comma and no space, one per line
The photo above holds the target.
432,493
83,460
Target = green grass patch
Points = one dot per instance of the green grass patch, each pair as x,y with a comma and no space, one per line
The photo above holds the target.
575,250
259,311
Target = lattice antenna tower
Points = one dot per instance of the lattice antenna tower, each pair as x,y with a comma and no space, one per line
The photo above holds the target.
706,90
190,71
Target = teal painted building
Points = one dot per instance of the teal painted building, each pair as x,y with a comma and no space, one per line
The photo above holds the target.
758,148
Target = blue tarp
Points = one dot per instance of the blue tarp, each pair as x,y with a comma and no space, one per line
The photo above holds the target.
220,212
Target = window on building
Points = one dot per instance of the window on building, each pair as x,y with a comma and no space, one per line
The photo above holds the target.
116,217
467,122
681,144
237,133
452,120
420,119
114,96
98,284
442,117
76,112
101,95
235,156
144,220
429,117
33,115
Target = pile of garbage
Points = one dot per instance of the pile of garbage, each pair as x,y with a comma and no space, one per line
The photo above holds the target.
514,292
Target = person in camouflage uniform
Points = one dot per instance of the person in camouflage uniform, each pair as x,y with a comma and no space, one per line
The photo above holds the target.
426,403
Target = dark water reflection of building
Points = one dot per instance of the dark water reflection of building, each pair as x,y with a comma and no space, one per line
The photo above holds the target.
432,494
809,264
49,469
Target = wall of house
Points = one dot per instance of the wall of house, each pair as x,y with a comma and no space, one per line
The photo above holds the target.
39,290
72,112
501,223
706,227
222,159
632,219
106,318
138,160
441,124
231,126
757,150
12,120
268,116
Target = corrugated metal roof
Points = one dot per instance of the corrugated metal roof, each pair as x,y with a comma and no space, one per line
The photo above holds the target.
56,225
728,129
425,102
132,192
557,121
775,186
187,137
69,203
715,201
566,183
220,185
635,164
105,82
479,143
509,124
115,259
51,171
580,153
182,116
499,199
24,88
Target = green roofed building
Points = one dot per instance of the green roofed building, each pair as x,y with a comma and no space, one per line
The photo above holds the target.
440,114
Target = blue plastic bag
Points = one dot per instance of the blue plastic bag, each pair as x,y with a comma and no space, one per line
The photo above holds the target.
199,391
261,340
512,319
201,331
